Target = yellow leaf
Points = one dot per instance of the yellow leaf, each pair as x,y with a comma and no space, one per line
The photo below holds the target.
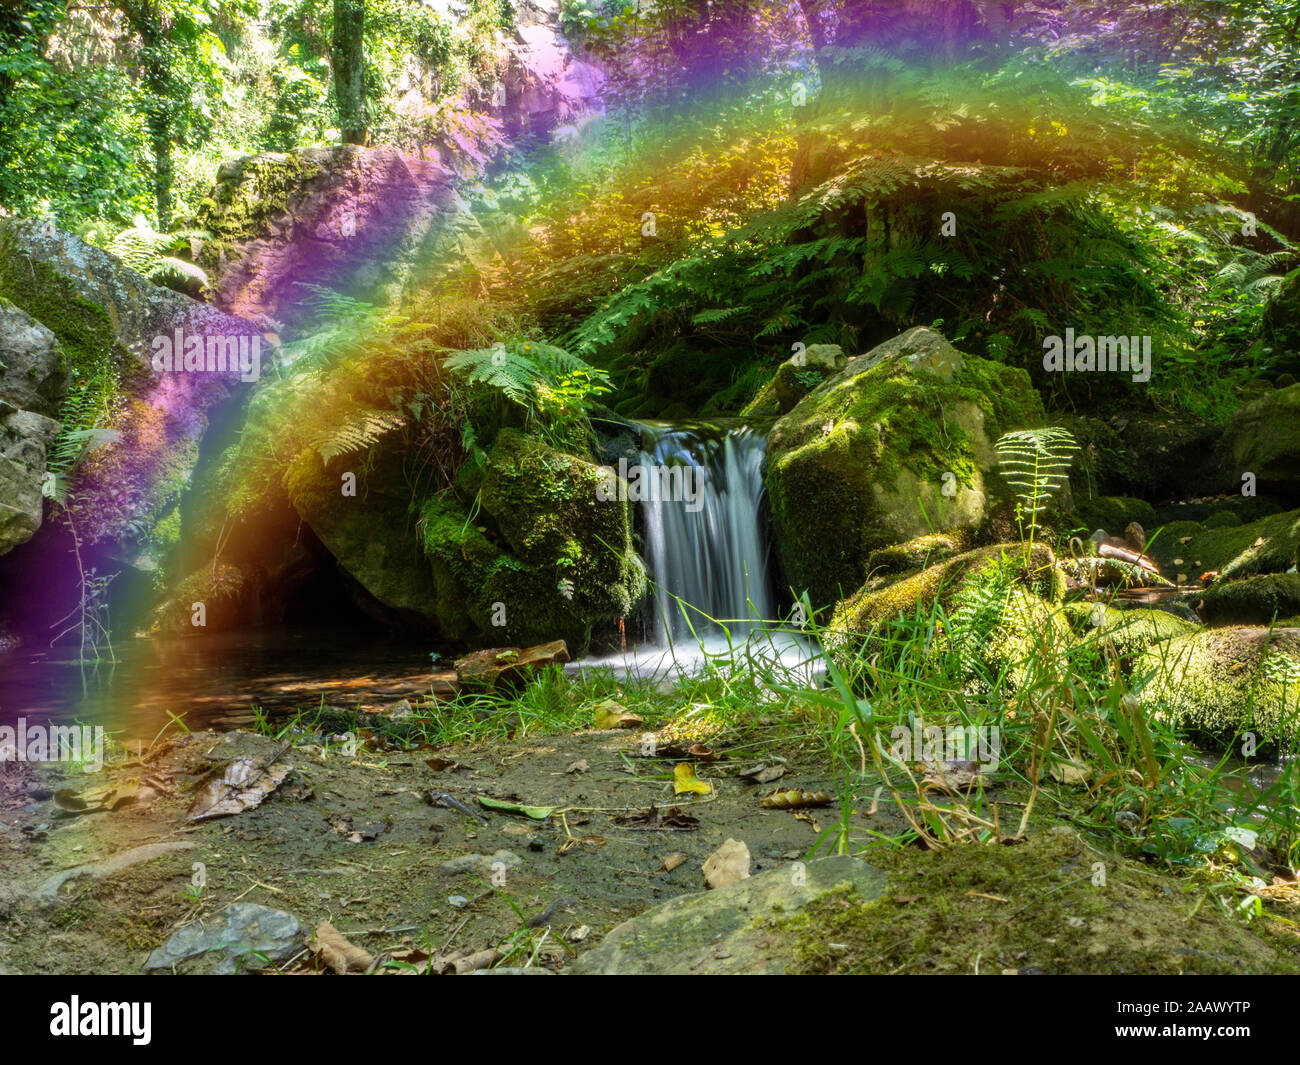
610,714
685,780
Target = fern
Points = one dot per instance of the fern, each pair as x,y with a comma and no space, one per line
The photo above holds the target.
979,607
363,429
1035,463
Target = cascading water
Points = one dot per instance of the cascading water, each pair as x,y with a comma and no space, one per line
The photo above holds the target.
705,548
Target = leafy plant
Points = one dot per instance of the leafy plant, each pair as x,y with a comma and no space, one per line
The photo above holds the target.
1036,463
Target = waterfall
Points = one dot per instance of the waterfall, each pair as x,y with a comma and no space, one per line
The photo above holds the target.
704,540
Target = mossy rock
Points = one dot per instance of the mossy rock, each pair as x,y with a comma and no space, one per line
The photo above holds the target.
1263,438
873,605
1223,519
1270,545
1130,632
862,461
1222,682
554,557
921,552
1257,600
1113,513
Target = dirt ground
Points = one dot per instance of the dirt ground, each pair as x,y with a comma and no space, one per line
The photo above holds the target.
376,844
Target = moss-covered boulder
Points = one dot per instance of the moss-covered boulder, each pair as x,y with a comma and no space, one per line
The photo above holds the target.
1221,682
795,378
354,219
1258,600
1130,632
879,602
896,444
1270,545
921,552
1263,438
543,559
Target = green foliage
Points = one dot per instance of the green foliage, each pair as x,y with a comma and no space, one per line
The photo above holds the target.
549,384
1035,463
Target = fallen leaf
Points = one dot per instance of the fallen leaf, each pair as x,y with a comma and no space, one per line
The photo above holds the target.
1071,773
610,714
336,952
444,765
729,864
672,861
795,798
951,775
537,813
238,785
685,781
801,815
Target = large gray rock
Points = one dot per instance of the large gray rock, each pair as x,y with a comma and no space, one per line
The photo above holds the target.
1263,438
896,444
722,931
33,370
230,942
33,380
368,221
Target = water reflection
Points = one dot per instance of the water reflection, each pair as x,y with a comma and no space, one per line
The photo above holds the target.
213,681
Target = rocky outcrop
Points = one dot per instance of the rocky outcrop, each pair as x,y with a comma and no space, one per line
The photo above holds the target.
897,443
366,221
110,324
1258,600
33,380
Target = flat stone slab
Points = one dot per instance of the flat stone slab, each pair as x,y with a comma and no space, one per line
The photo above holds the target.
241,938
714,933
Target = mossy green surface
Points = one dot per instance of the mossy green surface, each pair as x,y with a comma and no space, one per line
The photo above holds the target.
243,209
1254,600
1264,439
860,463
556,558
83,328
873,605
1220,682
921,552
1034,909
1270,545
1130,632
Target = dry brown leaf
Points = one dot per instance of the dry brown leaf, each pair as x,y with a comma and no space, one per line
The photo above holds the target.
729,864
801,815
236,786
672,861
794,799
336,952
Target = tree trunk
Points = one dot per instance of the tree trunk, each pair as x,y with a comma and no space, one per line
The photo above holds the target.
347,56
